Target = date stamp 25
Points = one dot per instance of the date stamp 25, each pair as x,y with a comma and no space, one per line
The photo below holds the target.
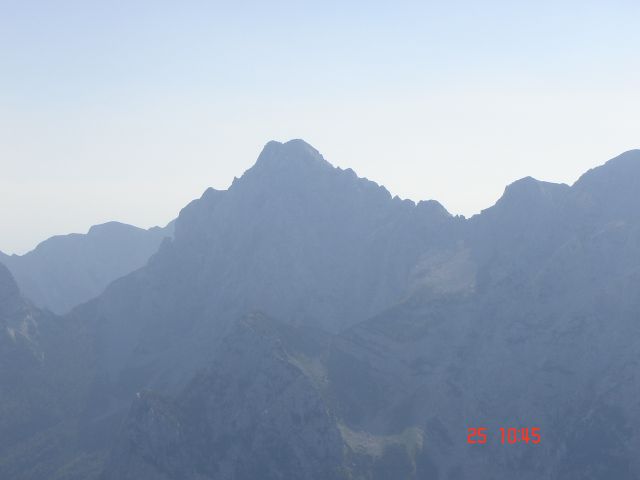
478,436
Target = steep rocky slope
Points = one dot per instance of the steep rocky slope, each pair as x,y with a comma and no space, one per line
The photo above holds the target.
43,377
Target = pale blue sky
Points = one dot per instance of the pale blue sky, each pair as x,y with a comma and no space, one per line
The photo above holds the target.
128,110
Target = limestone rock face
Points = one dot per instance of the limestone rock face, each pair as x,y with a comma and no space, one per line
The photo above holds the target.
263,409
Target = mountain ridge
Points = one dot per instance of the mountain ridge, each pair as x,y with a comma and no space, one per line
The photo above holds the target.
66,270
360,333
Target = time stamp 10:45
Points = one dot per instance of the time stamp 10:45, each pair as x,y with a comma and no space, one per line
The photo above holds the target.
478,436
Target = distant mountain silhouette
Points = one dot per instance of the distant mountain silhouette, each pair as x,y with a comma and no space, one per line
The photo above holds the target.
305,324
67,270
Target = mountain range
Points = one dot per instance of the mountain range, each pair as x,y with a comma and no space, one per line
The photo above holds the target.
305,324
67,270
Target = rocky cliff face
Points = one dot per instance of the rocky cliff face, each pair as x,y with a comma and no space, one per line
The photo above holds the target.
304,241
253,413
544,332
295,238
263,409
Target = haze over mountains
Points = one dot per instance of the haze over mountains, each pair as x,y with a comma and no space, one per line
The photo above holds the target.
67,270
306,324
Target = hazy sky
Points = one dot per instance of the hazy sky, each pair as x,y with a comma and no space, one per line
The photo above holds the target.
127,110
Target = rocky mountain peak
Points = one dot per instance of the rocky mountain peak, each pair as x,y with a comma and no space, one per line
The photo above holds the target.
285,165
529,190
289,154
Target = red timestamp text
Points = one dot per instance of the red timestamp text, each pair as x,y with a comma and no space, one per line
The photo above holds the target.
478,436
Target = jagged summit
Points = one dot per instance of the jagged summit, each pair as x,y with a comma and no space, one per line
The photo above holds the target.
295,170
294,159
296,150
